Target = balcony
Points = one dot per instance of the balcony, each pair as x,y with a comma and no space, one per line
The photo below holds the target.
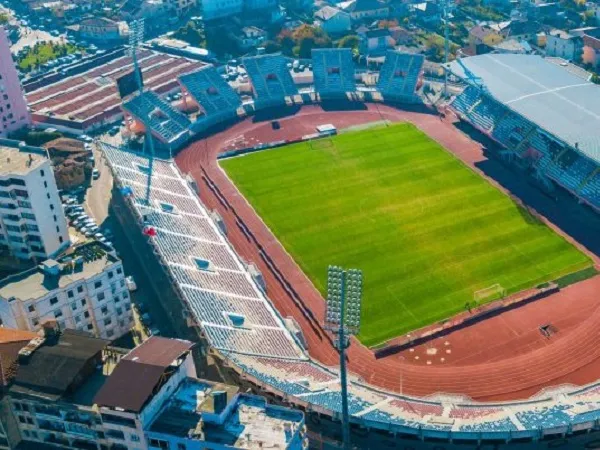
51,426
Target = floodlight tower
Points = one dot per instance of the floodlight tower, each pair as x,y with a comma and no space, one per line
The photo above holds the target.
136,36
447,15
342,317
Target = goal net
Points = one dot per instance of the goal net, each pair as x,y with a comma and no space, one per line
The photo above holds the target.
488,294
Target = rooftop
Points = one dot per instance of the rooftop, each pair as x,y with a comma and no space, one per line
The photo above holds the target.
11,342
81,263
327,12
17,159
555,99
246,421
55,367
135,378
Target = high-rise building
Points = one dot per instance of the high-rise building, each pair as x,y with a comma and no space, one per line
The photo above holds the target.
32,220
13,106
84,290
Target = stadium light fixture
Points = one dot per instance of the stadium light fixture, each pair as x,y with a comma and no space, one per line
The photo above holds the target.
136,37
342,317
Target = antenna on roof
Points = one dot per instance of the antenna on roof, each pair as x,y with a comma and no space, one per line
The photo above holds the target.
136,36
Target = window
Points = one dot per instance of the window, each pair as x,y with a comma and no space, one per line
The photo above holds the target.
74,306
57,229
42,173
107,321
110,275
119,311
134,438
58,313
101,296
53,301
35,322
110,333
51,205
104,310
90,326
86,314
22,419
31,308
98,284
70,294
119,270
28,216
55,218
60,239
80,290
77,318
159,443
46,184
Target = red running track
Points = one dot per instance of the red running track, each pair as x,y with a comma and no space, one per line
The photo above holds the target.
502,358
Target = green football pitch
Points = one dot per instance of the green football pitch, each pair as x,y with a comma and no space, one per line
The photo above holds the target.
426,230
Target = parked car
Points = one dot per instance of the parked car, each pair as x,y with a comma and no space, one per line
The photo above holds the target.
130,283
95,174
154,331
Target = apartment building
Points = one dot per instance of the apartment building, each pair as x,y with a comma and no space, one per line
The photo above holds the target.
84,290
32,221
73,391
13,106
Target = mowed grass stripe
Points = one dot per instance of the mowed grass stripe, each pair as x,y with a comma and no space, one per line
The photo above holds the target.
426,230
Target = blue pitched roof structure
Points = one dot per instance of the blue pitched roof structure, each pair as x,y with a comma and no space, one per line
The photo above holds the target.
399,76
168,124
271,80
333,71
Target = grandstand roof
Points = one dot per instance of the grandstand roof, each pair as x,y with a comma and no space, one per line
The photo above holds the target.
558,101
90,98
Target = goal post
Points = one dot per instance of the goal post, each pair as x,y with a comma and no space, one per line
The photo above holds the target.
489,294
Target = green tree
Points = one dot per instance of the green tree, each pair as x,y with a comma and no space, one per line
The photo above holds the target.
3,18
351,41
306,37
192,34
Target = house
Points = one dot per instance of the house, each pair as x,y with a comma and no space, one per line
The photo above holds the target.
513,46
564,45
401,35
427,14
333,20
522,30
251,37
482,38
591,46
101,30
376,42
361,10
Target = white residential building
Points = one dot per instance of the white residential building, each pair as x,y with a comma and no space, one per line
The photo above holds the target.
561,44
85,290
32,221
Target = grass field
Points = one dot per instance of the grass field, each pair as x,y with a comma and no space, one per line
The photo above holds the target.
425,229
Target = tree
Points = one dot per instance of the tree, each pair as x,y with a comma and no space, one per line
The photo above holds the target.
307,37
191,34
351,41
3,18
595,78
272,47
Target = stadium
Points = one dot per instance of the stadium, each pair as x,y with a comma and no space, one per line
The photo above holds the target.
505,354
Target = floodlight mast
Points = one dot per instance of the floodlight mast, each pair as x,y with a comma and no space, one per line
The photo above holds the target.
342,317
136,36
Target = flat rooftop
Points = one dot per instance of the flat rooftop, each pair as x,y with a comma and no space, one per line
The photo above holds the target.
249,423
557,100
92,96
36,283
16,160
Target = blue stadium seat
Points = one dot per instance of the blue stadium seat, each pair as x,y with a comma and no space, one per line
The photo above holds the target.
333,71
216,97
158,115
399,76
271,80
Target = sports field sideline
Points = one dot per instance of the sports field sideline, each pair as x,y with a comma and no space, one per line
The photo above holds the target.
426,230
